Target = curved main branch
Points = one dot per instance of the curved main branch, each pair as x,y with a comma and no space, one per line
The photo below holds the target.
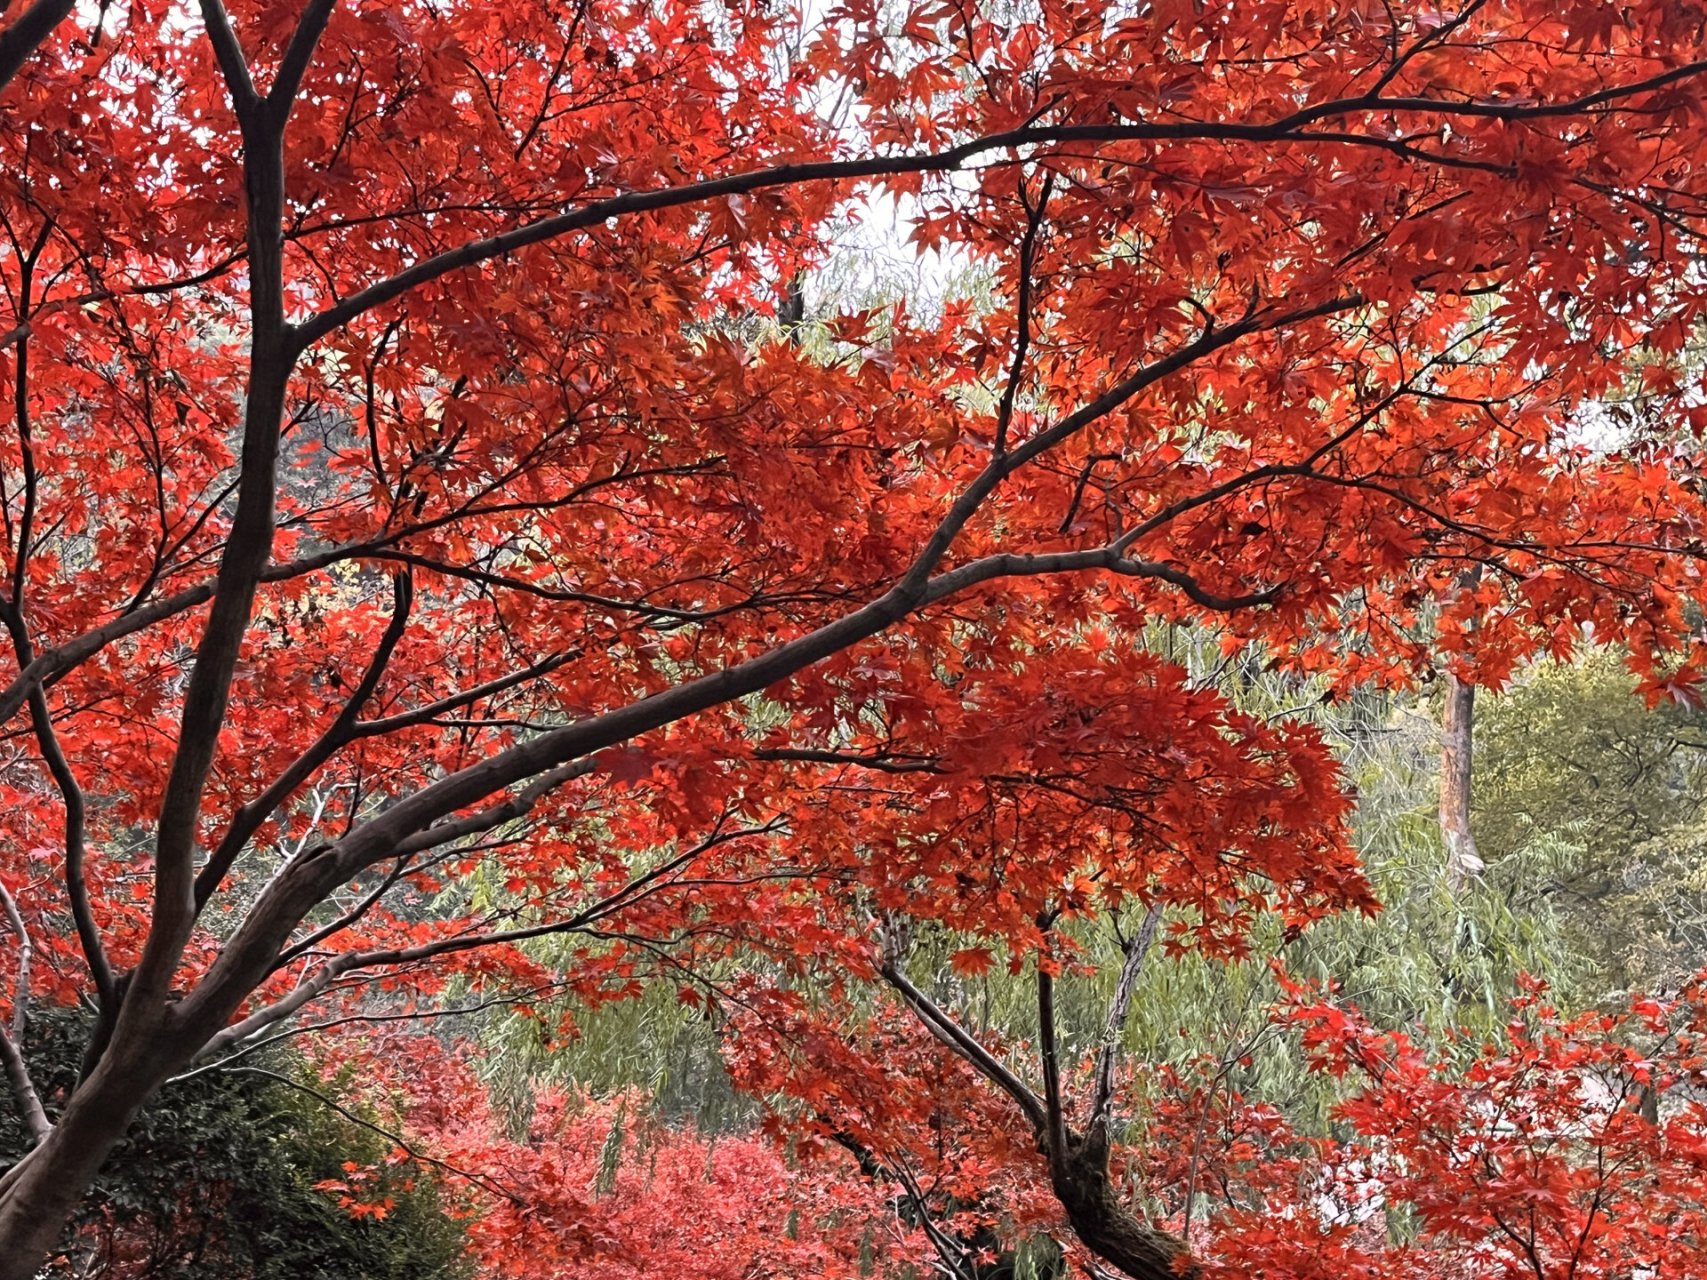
249,955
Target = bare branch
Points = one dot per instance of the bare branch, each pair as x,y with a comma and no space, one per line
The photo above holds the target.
956,1260
21,999
36,1123
1022,307
396,1139
248,547
1048,1049
369,1019
71,795
316,985
942,1025
233,65
483,820
430,712
1106,559
1134,950
882,761
404,866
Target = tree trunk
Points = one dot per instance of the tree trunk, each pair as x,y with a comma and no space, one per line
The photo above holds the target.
1079,1176
39,1194
1462,861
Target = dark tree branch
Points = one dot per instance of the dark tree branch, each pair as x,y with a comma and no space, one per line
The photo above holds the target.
508,810
1022,308
22,38
1294,128
281,98
410,823
1078,1165
75,835
248,547
36,1123
312,987
882,762
940,1023
430,712
233,65
76,850
404,866
368,1019
339,733
1048,1051
21,1001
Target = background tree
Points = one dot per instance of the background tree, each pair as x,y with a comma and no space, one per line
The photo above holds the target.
1603,796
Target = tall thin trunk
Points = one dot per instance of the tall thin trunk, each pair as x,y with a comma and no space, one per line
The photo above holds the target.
1462,861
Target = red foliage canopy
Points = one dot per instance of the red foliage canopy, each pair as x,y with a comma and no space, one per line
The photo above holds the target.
416,541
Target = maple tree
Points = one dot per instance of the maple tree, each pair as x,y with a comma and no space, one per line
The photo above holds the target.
1560,1146
414,550
601,1189
1543,1153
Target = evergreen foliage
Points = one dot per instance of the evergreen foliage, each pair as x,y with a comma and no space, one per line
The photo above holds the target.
217,1180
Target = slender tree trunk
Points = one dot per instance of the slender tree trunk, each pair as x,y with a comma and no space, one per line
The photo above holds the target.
1462,861
152,1033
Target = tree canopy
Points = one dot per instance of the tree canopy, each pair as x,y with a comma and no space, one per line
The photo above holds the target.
450,557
